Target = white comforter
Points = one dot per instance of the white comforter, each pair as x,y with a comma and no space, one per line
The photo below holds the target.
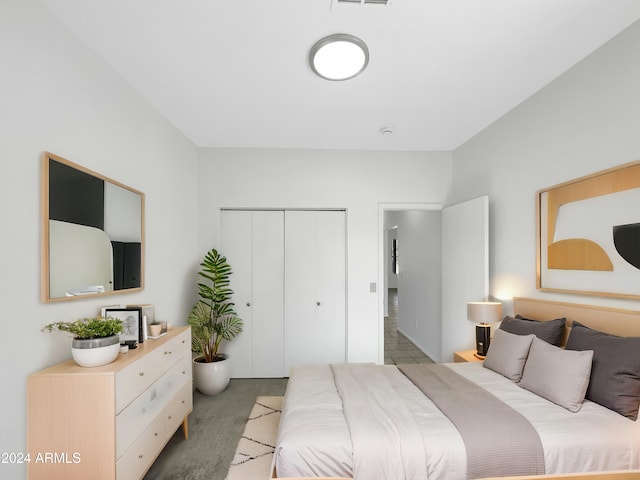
314,437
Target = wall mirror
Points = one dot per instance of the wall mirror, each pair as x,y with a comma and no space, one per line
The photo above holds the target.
93,233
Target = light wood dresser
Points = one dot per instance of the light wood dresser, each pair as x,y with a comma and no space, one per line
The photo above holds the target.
109,422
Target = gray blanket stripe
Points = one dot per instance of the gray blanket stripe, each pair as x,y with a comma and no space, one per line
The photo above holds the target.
499,441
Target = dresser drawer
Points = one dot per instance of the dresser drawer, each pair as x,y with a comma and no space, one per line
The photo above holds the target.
137,459
137,377
179,373
140,375
179,407
179,346
150,403
138,415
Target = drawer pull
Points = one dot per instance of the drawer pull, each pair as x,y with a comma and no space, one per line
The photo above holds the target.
140,456
155,434
167,353
183,372
169,417
141,374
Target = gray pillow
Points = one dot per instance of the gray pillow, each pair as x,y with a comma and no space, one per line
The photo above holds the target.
561,376
508,353
550,331
615,376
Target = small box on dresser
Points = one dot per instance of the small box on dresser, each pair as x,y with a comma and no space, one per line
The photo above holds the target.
109,422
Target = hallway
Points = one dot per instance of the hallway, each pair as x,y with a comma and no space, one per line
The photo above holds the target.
398,348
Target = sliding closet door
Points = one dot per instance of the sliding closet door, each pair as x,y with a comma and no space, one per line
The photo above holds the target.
289,282
331,266
236,243
253,242
268,294
300,295
315,284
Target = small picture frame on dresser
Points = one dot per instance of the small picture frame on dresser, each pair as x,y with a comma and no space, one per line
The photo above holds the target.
131,322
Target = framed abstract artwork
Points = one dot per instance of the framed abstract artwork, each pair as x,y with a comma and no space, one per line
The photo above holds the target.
588,234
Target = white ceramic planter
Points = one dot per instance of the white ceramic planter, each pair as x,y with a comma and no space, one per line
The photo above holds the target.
94,352
211,378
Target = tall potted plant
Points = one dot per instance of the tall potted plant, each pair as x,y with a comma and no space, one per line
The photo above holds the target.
213,319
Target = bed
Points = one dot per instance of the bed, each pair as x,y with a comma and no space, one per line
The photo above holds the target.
367,421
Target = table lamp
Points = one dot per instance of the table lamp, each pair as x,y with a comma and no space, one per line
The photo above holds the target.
483,314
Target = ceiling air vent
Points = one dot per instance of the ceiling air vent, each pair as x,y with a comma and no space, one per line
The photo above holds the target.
359,3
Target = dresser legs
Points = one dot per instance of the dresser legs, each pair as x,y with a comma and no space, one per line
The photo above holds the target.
185,427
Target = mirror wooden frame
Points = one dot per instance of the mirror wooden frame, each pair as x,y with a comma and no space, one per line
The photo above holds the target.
45,287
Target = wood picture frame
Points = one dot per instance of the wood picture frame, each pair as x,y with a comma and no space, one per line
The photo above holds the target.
588,234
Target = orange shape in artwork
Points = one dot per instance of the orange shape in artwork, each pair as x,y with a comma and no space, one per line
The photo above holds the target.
578,254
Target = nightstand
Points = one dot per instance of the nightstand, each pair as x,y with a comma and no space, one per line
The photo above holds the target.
466,356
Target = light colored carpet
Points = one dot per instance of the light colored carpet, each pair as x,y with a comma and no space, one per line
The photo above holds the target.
215,428
254,454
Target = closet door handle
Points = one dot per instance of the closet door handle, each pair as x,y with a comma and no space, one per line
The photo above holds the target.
248,304
318,303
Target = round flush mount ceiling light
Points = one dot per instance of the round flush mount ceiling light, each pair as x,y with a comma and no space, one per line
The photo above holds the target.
339,57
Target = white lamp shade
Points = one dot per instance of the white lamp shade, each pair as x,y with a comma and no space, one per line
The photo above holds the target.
484,312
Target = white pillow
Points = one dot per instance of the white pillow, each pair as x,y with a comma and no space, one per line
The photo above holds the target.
561,376
508,353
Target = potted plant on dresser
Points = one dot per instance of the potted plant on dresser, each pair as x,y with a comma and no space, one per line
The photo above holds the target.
96,340
213,319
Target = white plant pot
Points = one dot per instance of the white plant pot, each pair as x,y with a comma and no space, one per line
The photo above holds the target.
211,378
94,352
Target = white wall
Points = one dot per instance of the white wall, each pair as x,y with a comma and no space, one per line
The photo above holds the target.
55,95
584,121
420,280
355,180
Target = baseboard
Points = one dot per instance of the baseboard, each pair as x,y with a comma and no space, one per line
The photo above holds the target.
423,350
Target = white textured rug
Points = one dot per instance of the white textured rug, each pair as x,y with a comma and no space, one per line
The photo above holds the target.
252,460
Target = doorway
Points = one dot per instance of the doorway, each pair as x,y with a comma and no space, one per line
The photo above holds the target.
409,310
398,348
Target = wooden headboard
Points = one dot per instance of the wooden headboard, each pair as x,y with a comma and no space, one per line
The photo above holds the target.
616,321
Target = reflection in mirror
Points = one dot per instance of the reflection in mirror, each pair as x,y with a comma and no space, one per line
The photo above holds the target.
93,233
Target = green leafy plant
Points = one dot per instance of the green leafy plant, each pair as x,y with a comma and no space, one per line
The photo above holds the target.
95,327
213,318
